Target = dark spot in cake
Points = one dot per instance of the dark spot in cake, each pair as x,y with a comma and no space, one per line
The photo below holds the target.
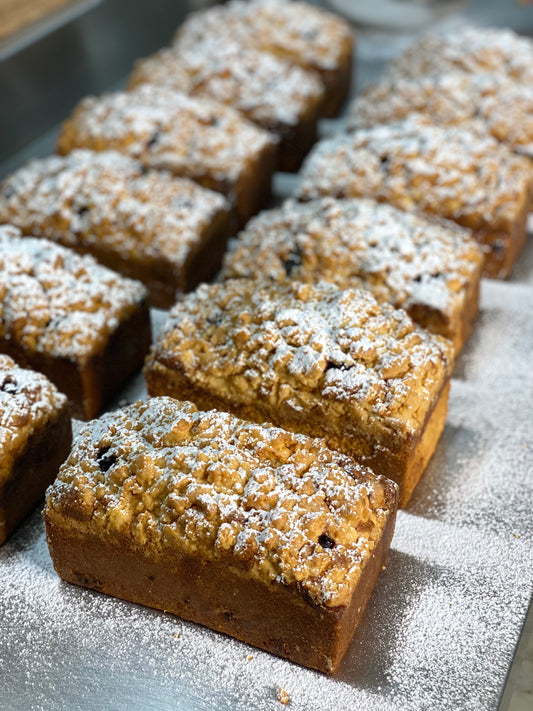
7,191
309,35
384,160
82,210
182,204
9,385
293,260
498,246
339,366
228,616
326,541
214,319
154,138
105,459
151,578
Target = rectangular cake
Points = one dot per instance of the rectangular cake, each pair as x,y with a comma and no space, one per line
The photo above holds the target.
298,32
169,233
430,269
317,360
192,138
35,438
278,96
471,49
264,535
81,324
449,172
497,104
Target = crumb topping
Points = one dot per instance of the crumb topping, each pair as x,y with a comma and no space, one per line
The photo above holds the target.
472,49
167,129
266,89
169,477
293,348
398,256
57,302
102,199
28,400
457,173
502,105
306,35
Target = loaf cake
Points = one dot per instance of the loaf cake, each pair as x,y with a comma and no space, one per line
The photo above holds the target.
79,323
305,35
192,138
429,269
265,535
471,49
451,172
273,93
502,106
312,359
168,232
35,438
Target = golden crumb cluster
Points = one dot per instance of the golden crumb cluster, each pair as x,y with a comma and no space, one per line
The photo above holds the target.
503,106
28,400
104,201
298,348
460,174
57,302
210,485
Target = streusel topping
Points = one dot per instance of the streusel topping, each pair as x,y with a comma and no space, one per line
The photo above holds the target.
166,129
502,105
398,256
266,89
460,174
56,302
103,198
296,347
472,49
28,400
169,477
306,35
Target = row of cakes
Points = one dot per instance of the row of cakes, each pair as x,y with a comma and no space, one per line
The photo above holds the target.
268,508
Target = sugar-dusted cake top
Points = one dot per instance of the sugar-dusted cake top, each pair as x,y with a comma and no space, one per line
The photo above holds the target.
502,105
166,129
266,88
57,302
473,49
457,173
28,400
169,477
298,347
398,256
104,199
307,35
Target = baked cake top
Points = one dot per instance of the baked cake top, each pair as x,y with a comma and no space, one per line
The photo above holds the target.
57,302
266,88
473,49
306,35
502,105
28,400
166,129
398,256
453,172
169,477
296,347
104,199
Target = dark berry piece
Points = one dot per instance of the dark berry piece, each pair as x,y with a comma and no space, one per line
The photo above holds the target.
293,260
325,541
105,459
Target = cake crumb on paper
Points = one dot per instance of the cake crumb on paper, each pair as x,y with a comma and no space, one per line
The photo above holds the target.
282,696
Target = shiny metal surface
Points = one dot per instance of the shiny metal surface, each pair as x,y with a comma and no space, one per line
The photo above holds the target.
443,624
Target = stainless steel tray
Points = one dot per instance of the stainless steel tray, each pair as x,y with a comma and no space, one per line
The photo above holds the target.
441,628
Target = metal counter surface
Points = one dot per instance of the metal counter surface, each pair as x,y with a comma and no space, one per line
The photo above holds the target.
443,624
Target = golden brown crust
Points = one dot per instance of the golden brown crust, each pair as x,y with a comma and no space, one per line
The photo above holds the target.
35,436
295,31
431,270
67,316
451,172
226,520
147,226
190,137
273,93
312,359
